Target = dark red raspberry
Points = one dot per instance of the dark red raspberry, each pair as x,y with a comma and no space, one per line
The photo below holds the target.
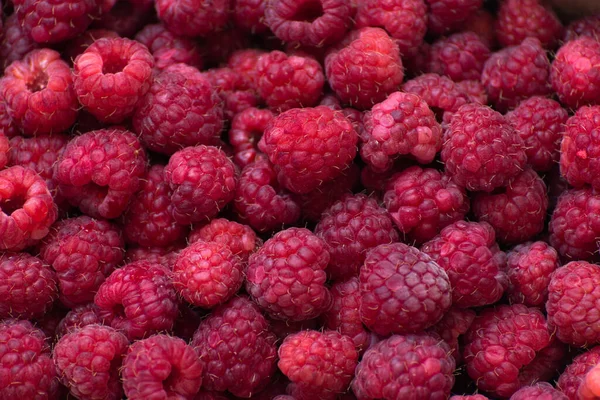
586,26
364,68
37,86
111,76
193,18
15,42
481,150
5,150
203,181
575,72
240,239
455,323
78,45
284,328
516,73
88,362
318,361
219,46
350,228
7,125
573,377
405,366
330,100
469,397
78,317
423,201
247,127
237,348
474,90
26,208
27,369
83,252
236,91
249,15
284,397
460,56
308,22
211,395
161,366
244,61
538,391
450,15
466,250
501,346
286,276
520,19
126,17
166,256
168,48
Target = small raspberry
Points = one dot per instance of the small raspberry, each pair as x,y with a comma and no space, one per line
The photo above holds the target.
573,376
286,276
460,56
78,45
160,366
520,19
111,76
249,15
240,239
474,90
247,127
126,17
538,391
236,91
165,256
15,42
193,18
219,46
364,68
586,26
80,316
162,43
244,61
455,323
450,15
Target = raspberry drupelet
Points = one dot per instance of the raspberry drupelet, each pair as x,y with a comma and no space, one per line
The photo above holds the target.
247,127
241,239
585,26
460,56
540,391
169,48
166,256
193,18
520,19
474,90
450,15
237,93
249,15
80,316
574,375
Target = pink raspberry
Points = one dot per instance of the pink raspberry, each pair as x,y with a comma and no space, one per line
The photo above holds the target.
364,68
161,42
240,360
15,42
166,256
247,127
111,76
455,323
88,362
540,390
78,45
219,46
450,15
520,19
589,390
286,276
586,26
80,316
460,56
481,150
241,239
474,90
249,15
350,228
236,92
161,365
193,18
573,376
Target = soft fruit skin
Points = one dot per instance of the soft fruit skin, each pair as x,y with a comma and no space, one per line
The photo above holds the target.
26,364
247,127
161,367
481,151
241,239
573,376
460,56
193,18
364,68
541,391
100,171
80,316
330,137
455,323
422,201
466,250
450,15
350,228
39,93
404,367
237,348
111,76
286,276
88,362
402,290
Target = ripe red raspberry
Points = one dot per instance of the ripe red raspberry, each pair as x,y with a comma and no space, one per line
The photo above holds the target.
160,41
240,239
249,15
78,45
405,366
193,18
575,72
161,366
166,256
474,90
80,316
455,323
244,61
83,252
37,86
502,344
203,181
286,276
126,17
322,362
540,390
516,73
218,46
460,56
350,228
15,42
236,91
520,19
247,127
481,150
574,375
308,22
586,26
450,15
27,370
88,362
466,250
7,126
111,76
240,360
4,150
469,397
589,390
364,68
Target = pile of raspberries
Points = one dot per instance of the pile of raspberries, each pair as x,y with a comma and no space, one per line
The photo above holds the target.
298,200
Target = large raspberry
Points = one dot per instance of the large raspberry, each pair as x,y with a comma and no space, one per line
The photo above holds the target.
539,391
460,56
520,19
80,316
240,239
168,48
450,15
247,127
193,18
573,376
455,323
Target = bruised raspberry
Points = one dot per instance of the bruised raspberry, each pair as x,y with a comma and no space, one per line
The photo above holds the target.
193,18
241,239
520,19
247,127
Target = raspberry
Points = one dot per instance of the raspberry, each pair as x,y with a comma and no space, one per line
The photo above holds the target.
80,316
88,362
259,200
78,45
405,366
466,251
586,26
455,323
160,366
540,390
237,348
203,181
83,252
244,61
240,239
502,344
36,87
318,361
26,208
219,46
481,151
235,90
15,42
287,82
166,256
27,370
449,15
247,127
575,74
111,76
471,397
573,376
100,171
286,276
308,22
520,19
474,90
193,18
309,146
126,17
516,73
160,41
402,290
364,68
350,228
460,56
207,274
589,387
423,201
7,126
249,15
